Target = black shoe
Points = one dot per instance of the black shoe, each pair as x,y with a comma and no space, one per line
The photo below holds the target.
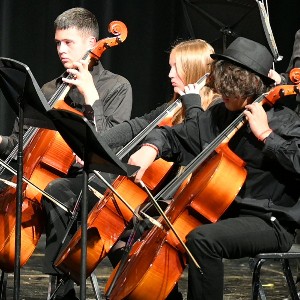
71,295
175,295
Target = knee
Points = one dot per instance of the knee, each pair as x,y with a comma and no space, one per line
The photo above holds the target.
195,237
54,189
54,185
200,242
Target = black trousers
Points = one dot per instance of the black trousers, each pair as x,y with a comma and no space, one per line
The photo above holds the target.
231,238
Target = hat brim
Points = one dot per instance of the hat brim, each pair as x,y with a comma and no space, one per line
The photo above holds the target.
266,79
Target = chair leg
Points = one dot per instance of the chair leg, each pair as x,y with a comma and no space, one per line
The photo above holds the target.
54,285
257,289
95,286
289,279
3,284
51,286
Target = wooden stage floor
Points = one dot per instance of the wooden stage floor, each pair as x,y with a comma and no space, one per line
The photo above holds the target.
34,284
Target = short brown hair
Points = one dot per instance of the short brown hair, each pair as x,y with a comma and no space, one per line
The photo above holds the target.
80,18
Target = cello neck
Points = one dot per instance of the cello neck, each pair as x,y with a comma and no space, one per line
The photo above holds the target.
119,30
64,87
170,110
224,137
175,106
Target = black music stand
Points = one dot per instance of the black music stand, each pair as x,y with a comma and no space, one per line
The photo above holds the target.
23,94
27,100
80,135
220,22
21,90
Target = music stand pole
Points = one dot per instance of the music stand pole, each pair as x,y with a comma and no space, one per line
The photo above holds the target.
84,213
19,203
20,88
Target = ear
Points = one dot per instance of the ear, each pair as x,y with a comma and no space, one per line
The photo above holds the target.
92,41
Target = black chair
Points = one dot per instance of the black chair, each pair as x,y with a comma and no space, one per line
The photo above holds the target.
53,286
257,262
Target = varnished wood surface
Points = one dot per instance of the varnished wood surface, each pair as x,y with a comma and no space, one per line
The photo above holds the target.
34,284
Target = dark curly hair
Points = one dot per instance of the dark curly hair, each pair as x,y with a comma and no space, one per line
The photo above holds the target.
233,81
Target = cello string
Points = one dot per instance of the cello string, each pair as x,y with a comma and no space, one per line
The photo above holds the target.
169,190
12,170
153,200
171,109
14,151
62,88
98,174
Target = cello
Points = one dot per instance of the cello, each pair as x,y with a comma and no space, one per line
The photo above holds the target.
46,157
156,262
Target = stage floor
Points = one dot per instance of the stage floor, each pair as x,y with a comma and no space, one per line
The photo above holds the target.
34,284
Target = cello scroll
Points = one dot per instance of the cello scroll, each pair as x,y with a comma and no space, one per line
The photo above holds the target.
295,75
118,29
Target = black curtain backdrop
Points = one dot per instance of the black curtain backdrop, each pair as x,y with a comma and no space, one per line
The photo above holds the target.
26,34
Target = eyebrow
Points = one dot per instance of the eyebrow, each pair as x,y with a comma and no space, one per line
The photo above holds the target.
70,40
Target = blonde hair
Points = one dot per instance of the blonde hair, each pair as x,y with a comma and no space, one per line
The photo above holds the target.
193,61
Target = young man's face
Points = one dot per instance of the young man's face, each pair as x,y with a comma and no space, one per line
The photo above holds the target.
234,104
72,45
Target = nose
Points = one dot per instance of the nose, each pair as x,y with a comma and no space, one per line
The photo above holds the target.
171,73
61,47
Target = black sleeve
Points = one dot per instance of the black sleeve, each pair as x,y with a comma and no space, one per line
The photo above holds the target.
9,142
123,133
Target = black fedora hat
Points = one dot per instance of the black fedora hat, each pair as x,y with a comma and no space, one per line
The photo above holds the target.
250,55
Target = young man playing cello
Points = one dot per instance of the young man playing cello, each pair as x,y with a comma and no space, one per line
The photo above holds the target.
103,97
265,213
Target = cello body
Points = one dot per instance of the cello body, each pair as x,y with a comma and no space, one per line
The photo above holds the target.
159,258
40,168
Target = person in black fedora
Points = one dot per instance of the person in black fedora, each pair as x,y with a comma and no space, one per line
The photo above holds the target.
249,55
264,210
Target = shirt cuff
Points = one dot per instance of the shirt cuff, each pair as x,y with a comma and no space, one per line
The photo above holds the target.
3,145
88,112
